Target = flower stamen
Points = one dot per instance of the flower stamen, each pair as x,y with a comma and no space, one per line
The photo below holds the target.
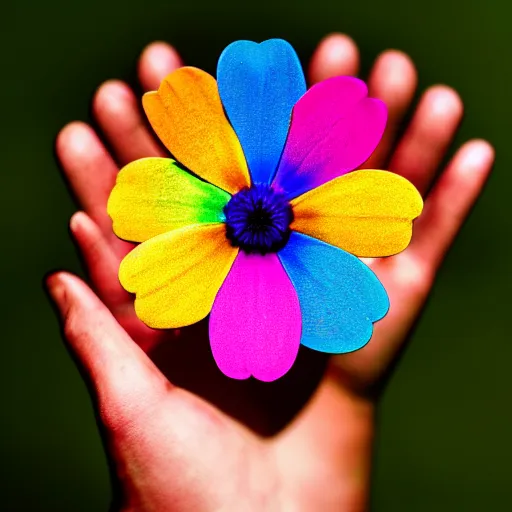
258,219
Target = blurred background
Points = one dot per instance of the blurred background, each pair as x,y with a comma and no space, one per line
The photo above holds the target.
444,440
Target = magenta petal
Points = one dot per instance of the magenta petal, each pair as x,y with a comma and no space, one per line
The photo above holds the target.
255,323
335,128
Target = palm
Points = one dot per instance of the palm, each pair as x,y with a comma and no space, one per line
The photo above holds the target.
192,451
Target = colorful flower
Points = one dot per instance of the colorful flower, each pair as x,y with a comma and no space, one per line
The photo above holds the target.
263,219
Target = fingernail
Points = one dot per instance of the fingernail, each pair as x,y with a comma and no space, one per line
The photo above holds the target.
74,222
399,71
163,58
444,100
480,153
56,290
77,136
113,96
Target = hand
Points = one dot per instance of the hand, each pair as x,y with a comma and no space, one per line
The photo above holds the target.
181,435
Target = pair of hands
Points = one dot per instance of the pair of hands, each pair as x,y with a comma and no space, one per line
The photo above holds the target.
180,435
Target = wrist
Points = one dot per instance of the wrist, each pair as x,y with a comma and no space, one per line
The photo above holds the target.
330,446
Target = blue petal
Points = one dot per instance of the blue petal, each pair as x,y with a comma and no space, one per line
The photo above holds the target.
259,84
340,297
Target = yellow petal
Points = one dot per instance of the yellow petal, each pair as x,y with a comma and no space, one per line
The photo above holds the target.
368,213
153,196
187,114
177,275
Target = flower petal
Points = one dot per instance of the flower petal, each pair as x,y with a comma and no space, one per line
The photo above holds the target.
187,115
340,297
154,195
255,323
367,213
259,84
335,128
176,275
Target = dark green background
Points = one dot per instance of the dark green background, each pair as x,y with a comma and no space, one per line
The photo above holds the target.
444,441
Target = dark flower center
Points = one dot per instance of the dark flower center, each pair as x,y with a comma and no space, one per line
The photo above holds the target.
258,219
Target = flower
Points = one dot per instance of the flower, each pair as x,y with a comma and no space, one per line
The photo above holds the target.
263,219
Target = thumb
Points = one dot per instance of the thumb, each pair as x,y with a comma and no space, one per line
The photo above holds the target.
125,381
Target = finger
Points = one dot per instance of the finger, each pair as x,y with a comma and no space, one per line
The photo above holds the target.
123,377
393,80
102,263
156,61
89,169
450,202
446,208
118,114
428,137
337,54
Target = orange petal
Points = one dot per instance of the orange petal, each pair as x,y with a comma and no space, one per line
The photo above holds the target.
187,114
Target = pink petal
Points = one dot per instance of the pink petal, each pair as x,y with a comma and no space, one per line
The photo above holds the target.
335,128
255,323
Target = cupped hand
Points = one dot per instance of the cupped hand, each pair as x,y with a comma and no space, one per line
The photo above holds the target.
182,436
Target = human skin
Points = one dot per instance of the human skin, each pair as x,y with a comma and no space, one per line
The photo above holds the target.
180,436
